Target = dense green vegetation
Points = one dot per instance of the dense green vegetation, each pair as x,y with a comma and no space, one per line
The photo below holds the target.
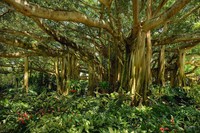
172,110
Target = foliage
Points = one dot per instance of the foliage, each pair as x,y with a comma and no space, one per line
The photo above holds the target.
78,86
196,25
6,81
104,85
105,113
103,36
193,92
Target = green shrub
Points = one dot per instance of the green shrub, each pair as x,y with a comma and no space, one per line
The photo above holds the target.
50,112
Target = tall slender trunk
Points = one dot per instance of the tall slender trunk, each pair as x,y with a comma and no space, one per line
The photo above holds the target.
74,68
116,72
173,75
161,67
64,87
125,71
93,81
56,64
114,67
148,58
109,63
26,74
149,45
181,64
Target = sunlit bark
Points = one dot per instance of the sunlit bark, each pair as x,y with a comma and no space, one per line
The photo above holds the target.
148,51
161,66
157,21
137,70
36,11
56,65
26,73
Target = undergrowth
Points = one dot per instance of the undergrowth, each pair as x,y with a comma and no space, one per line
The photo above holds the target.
171,110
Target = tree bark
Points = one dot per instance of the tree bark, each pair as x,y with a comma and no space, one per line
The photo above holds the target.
181,72
137,70
148,51
116,71
26,74
93,81
173,74
56,65
36,11
161,66
64,87
159,20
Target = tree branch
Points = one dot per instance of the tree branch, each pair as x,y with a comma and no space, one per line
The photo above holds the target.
25,33
177,39
162,3
84,53
36,11
192,71
4,13
155,22
135,13
186,15
189,46
106,3
18,54
43,50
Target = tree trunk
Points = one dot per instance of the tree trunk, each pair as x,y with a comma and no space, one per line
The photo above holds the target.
93,81
181,72
56,64
137,70
173,75
149,45
116,72
26,74
66,69
161,67
148,58
64,86
75,70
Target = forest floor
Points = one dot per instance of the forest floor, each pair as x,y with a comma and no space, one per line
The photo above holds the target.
169,112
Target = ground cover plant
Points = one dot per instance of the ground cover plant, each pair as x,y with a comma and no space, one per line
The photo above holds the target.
105,113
